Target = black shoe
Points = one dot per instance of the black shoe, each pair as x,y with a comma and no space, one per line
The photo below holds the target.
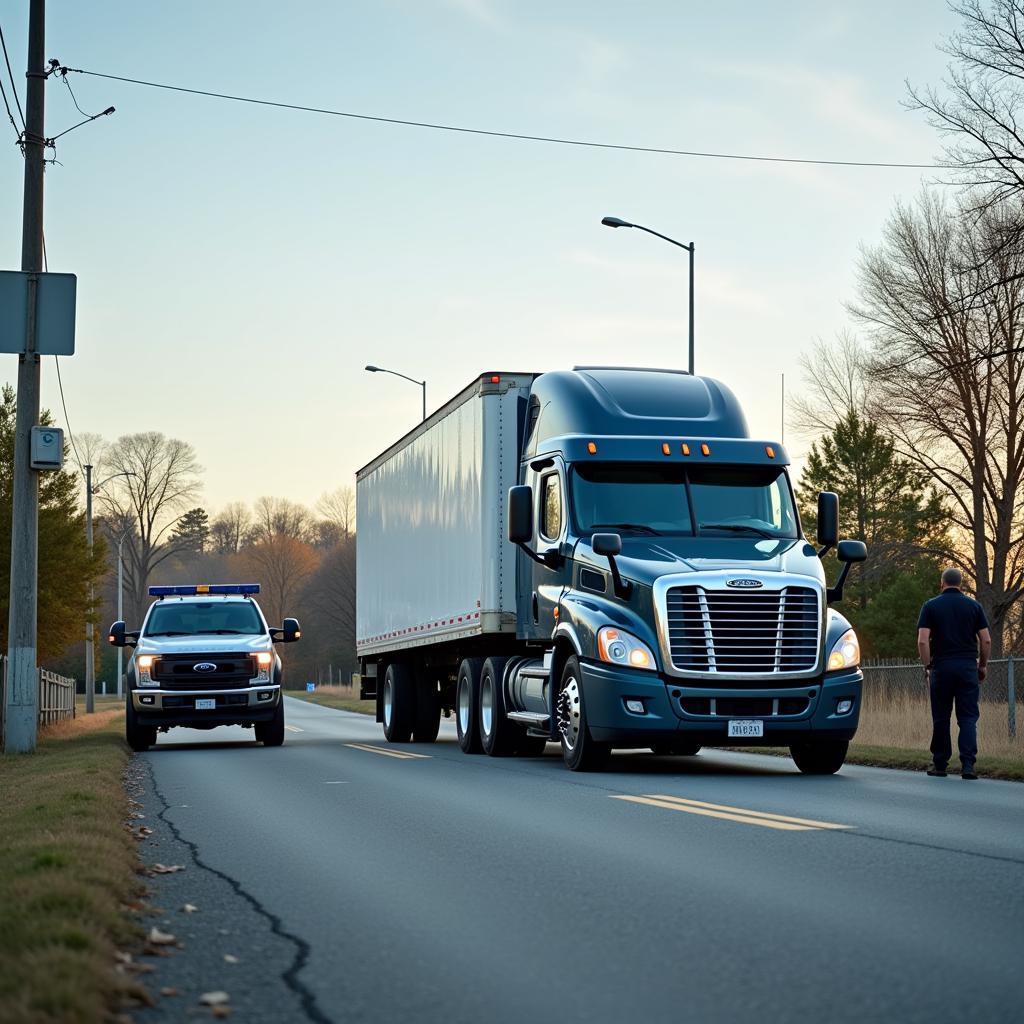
936,772
968,774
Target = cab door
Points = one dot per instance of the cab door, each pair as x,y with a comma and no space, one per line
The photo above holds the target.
554,574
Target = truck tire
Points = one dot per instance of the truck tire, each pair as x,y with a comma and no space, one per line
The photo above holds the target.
271,734
580,751
821,757
675,748
498,735
467,705
427,720
399,703
140,737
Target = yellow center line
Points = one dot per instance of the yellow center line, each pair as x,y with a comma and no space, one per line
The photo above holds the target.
403,755
294,728
782,826
808,822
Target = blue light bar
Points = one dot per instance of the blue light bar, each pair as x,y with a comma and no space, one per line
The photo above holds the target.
194,589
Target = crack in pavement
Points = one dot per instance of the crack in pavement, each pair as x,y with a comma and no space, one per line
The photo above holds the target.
290,977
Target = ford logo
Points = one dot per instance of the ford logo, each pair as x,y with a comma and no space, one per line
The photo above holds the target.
744,584
209,666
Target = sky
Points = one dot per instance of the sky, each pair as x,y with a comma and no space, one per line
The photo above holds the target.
239,265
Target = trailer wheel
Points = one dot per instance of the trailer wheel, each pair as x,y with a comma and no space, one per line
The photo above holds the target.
467,705
399,703
498,735
580,751
427,720
824,757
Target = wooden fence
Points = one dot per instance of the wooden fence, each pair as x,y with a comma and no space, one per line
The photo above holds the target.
56,695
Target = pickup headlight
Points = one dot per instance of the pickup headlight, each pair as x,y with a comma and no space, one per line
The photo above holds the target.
845,652
143,667
618,647
263,663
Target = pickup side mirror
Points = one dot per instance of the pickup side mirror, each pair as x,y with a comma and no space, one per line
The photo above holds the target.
292,631
610,545
848,552
828,521
118,636
520,514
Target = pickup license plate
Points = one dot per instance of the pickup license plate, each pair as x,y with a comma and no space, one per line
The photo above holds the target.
209,703
745,728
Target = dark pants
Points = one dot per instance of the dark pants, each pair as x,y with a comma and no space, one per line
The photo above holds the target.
955,685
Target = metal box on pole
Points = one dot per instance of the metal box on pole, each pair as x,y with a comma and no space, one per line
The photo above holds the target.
47,448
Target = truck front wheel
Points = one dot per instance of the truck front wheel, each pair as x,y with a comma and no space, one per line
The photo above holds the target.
823,757
467,705
271,734
139,737
399,701
580,751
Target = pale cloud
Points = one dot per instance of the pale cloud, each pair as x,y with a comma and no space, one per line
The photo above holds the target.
485,12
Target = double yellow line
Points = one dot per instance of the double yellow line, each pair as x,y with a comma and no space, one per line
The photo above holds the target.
782,822
402,755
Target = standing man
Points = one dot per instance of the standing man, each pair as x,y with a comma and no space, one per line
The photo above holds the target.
954,643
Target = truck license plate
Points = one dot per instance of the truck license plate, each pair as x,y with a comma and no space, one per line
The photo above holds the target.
209,703
745,728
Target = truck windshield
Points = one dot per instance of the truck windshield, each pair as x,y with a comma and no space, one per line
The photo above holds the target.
723,500
211,617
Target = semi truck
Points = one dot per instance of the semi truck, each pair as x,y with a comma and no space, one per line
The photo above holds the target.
601,558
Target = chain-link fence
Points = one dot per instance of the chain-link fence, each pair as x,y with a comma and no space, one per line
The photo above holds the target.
896,710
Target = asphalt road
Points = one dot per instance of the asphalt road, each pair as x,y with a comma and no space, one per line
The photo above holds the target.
345,883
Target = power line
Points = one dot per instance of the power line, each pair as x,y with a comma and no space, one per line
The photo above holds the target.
583,143
14,87
10,116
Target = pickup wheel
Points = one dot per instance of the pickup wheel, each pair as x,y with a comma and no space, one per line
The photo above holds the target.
427,719
271,734
675,748
467,705
499,736
399,703
824,757
140,737
580,751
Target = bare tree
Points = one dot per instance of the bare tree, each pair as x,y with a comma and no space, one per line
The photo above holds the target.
230,528
279,516
282,565
948,375
338,507
835,386
160,480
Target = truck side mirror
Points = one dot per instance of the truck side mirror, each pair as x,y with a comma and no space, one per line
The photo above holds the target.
115,635
828,521
520,514
291,630
852,551
606,544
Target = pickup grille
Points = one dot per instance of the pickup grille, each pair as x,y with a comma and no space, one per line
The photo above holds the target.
177,671
743,632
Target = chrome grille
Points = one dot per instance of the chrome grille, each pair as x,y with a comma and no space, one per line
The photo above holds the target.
757,632
177,671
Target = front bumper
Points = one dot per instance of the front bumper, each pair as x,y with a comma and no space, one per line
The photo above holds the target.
606,690
155,706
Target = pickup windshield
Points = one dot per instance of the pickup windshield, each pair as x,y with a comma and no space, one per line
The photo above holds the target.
723,501
188,618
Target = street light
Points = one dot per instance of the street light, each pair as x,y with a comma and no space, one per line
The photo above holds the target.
412,380
90,650
617,222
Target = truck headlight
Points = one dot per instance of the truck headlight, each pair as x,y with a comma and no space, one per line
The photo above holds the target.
143,667
621,648
264,662
845,652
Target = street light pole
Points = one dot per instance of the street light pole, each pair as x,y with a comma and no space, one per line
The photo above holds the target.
617,222
120,609
412,380
90,649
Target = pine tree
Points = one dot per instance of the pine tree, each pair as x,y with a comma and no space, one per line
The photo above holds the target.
193,531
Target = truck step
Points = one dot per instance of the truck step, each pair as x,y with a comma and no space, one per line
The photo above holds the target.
530,717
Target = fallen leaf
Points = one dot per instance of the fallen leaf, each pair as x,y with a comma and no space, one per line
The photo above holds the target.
169,990
140,968
159,938
214,999
229,959
222,1011
189,908
166,869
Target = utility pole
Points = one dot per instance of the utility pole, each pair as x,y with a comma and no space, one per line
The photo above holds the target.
21,718
90,651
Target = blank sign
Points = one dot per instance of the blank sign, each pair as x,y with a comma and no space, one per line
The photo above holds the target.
55,312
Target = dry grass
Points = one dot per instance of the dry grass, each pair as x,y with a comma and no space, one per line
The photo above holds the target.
67,870
345,698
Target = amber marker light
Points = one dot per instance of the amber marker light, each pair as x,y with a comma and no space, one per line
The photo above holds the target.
686,449
591,447
769,451
705,450
666,450
203,588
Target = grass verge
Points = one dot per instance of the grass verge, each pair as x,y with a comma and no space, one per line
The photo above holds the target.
68,869
342,697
